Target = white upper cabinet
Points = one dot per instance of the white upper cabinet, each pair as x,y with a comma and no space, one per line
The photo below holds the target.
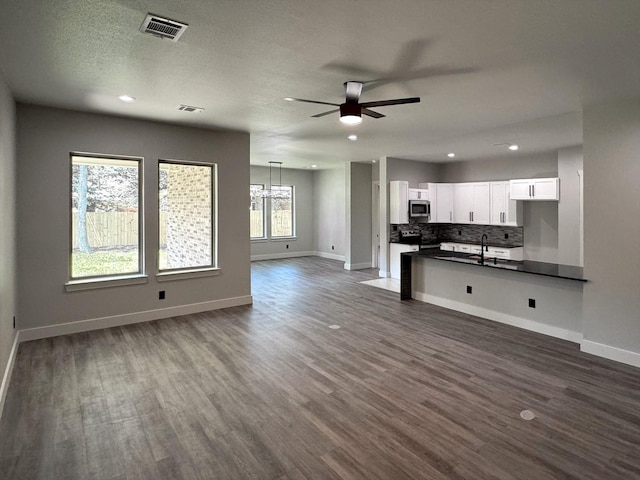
398,202
504,210
418,194
472,203
442,202
535,189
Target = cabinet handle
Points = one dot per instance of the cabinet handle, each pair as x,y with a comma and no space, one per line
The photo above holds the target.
533,190
450,216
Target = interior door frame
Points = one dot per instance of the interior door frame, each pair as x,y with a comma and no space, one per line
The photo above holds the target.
375,224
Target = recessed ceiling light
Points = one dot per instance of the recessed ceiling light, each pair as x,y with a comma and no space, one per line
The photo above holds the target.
353,137
314,166
373,161
288,99
127,98
451,155
513,147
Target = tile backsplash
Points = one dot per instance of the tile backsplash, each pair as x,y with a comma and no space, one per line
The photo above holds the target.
498,235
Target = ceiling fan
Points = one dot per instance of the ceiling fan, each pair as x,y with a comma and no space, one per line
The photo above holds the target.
351,110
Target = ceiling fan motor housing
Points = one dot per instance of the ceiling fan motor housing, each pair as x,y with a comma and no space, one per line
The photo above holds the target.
348,109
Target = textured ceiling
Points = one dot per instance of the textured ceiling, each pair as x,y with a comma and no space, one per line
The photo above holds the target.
488,71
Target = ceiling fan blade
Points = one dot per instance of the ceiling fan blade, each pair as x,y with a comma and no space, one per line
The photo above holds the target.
353,91
371,113
325,113
312,101
397,101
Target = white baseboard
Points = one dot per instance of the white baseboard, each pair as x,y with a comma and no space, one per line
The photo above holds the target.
6,377
357,266
276,256
612,353
512,320
129,318
331,256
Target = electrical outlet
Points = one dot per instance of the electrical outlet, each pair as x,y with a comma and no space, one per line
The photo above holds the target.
469,289
333,247
506,236
14,322
287,246
532,302
459,232
161,295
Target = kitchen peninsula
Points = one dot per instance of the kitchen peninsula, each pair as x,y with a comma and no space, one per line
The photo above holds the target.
538,296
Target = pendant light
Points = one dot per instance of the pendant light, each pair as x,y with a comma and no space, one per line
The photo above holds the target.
277,192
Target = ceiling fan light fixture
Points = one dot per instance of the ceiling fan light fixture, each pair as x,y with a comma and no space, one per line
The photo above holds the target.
350,114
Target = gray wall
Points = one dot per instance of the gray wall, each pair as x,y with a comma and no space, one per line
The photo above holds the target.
45,138
412,171
303,182
569,211
329,211
612,225
540,219
358,216
8,254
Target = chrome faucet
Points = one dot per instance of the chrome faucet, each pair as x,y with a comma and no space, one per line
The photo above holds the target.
482,247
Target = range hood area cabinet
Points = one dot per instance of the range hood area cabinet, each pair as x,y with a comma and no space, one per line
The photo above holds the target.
398,202
504,209
472,203
535,189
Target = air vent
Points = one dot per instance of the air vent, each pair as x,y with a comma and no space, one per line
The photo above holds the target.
163,27
189,108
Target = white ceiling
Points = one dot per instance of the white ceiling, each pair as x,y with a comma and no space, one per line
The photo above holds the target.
519,71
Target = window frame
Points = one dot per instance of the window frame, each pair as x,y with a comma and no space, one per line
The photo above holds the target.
264,216
191,272
293,216
96,281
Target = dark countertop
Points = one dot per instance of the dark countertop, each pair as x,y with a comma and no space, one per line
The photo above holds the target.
568,272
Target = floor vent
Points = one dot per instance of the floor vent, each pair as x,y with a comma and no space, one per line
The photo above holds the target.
189,108
163,27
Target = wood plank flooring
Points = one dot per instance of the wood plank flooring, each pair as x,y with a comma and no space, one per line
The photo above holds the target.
403,390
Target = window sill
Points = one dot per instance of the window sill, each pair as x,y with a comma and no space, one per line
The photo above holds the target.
259,240
94,283
186,274
283,239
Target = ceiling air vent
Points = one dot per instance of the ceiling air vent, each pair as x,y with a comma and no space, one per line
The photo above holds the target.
163,27
189,108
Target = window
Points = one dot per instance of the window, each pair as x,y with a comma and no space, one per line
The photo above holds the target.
256,212
106,239
282,218
186,215
273,211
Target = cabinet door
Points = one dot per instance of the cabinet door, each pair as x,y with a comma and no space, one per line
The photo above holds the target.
481,208
398,202
444,203
498,202
513,210
545,188
520,189
462,202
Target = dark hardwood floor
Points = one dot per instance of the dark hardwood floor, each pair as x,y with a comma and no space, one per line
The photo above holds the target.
403,390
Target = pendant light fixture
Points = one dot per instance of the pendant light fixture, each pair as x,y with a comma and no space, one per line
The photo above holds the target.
275,190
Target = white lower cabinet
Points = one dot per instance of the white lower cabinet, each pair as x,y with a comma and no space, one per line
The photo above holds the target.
395,249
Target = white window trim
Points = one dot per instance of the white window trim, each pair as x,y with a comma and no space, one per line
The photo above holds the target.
205,270
171,275
103,282
110,280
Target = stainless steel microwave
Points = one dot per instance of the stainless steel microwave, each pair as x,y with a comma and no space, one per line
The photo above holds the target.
420,208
